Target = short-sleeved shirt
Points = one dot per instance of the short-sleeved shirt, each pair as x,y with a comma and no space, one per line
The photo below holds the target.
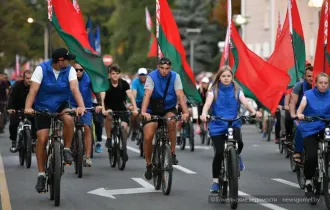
3,93
38,75
139,87
115,97
150,83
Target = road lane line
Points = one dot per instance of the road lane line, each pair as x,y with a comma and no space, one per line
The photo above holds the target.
265,204
181,168
5,198
286,182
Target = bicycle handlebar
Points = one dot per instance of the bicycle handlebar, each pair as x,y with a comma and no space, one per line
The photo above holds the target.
311,119
119,113
155,118
231,120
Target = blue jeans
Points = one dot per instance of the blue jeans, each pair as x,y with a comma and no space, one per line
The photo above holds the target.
299,141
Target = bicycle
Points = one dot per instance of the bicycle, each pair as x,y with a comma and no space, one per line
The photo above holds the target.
186,131
25,145
204,134
140,137
322,173
230,173
78,143
54,163
162,154
118,145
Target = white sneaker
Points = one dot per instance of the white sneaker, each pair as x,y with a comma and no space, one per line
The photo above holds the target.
88,162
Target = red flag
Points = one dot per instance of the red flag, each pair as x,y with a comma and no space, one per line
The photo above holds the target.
153,46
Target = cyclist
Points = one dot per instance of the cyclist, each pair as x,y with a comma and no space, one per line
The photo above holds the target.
203,92
138,92
85,88
4,89
224,98
295,98
279,125
114,100
315,103
16,101
154,93
49,90
98,120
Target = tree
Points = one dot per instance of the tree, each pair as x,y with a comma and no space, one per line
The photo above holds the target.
196,14
220,10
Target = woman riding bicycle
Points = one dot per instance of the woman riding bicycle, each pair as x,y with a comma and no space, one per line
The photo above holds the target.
315,103
225,97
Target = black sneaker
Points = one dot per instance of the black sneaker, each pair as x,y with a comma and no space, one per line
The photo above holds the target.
309,190
68,159
148,173
41,184
174,160
13,147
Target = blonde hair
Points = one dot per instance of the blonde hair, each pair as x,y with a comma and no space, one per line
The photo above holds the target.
216,82
322,74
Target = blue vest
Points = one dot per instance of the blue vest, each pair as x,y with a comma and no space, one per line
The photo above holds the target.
318,105
226,106
305,87
52,93
85,88
159,88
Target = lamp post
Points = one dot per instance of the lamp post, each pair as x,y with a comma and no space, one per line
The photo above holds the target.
194,32
240,20
31,20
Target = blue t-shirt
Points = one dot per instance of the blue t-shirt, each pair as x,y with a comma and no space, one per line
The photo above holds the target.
139,87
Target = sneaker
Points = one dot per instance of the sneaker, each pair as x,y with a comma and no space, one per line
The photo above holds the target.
13,147
88,162
241,164
148,172
41,184
98,148
198,131
215,187
263,135
68,159
276,141
108,143
174,160
134,134
309,189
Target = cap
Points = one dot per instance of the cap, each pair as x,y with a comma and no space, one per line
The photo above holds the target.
205,80
142,72
62,54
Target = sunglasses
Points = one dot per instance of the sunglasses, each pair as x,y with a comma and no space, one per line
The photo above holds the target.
80,70
165,62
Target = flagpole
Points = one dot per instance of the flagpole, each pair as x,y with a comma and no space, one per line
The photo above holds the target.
326,8
157,28
291,35
227,41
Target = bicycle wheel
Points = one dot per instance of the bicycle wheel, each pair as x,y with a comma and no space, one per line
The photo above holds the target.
92,142
300,172
224,185
28,148
112,151
156,173
293,164
21,150
57,154
326,179
50,172
191,136
182,140
281,146
121,146
141,136
167,169
233,177
269,128
79,152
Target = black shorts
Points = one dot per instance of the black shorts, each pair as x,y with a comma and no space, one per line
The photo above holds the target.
173,110
43,122
124,118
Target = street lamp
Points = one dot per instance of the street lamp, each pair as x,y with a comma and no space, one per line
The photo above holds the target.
240,20
31,20
315,3
194,32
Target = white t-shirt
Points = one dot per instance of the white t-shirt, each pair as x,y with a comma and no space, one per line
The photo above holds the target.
38,75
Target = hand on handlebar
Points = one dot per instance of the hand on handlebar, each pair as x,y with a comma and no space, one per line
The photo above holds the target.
106,112
11,111
135,112
203,118
98,109
301,116
146,116
28,111
258,114
185,117
80,111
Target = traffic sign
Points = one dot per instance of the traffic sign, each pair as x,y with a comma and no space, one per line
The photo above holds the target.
107,60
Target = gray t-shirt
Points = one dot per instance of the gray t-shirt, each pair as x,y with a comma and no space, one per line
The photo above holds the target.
150,83
297,88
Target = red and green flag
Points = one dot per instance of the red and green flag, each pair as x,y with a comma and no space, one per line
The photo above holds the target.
259,80
289,54
68,21
279,29
153,46
170,44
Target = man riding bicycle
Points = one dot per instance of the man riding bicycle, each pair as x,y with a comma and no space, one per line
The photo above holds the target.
114,100
154,94
85,88
51,82
16,101
138,92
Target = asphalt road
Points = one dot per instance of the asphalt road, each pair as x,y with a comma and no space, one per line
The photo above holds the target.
267,174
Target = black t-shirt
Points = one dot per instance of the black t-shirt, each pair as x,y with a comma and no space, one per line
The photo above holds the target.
115,97
17,95
3,87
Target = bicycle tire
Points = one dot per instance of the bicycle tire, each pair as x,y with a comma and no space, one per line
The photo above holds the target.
156,173
28,148
233,177
281,147
141,143
21,149
182,138
269,129
293,164
300,172
50,169
120,150
224,185
92,141
326,179
57,154
166,184
112,152
79,152
191,136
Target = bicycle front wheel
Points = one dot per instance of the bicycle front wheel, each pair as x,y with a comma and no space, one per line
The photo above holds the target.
28,148
326,179
57,154
79,152
233,177
167,169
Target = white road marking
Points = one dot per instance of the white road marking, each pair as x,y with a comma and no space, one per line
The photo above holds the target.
265,204
286,182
